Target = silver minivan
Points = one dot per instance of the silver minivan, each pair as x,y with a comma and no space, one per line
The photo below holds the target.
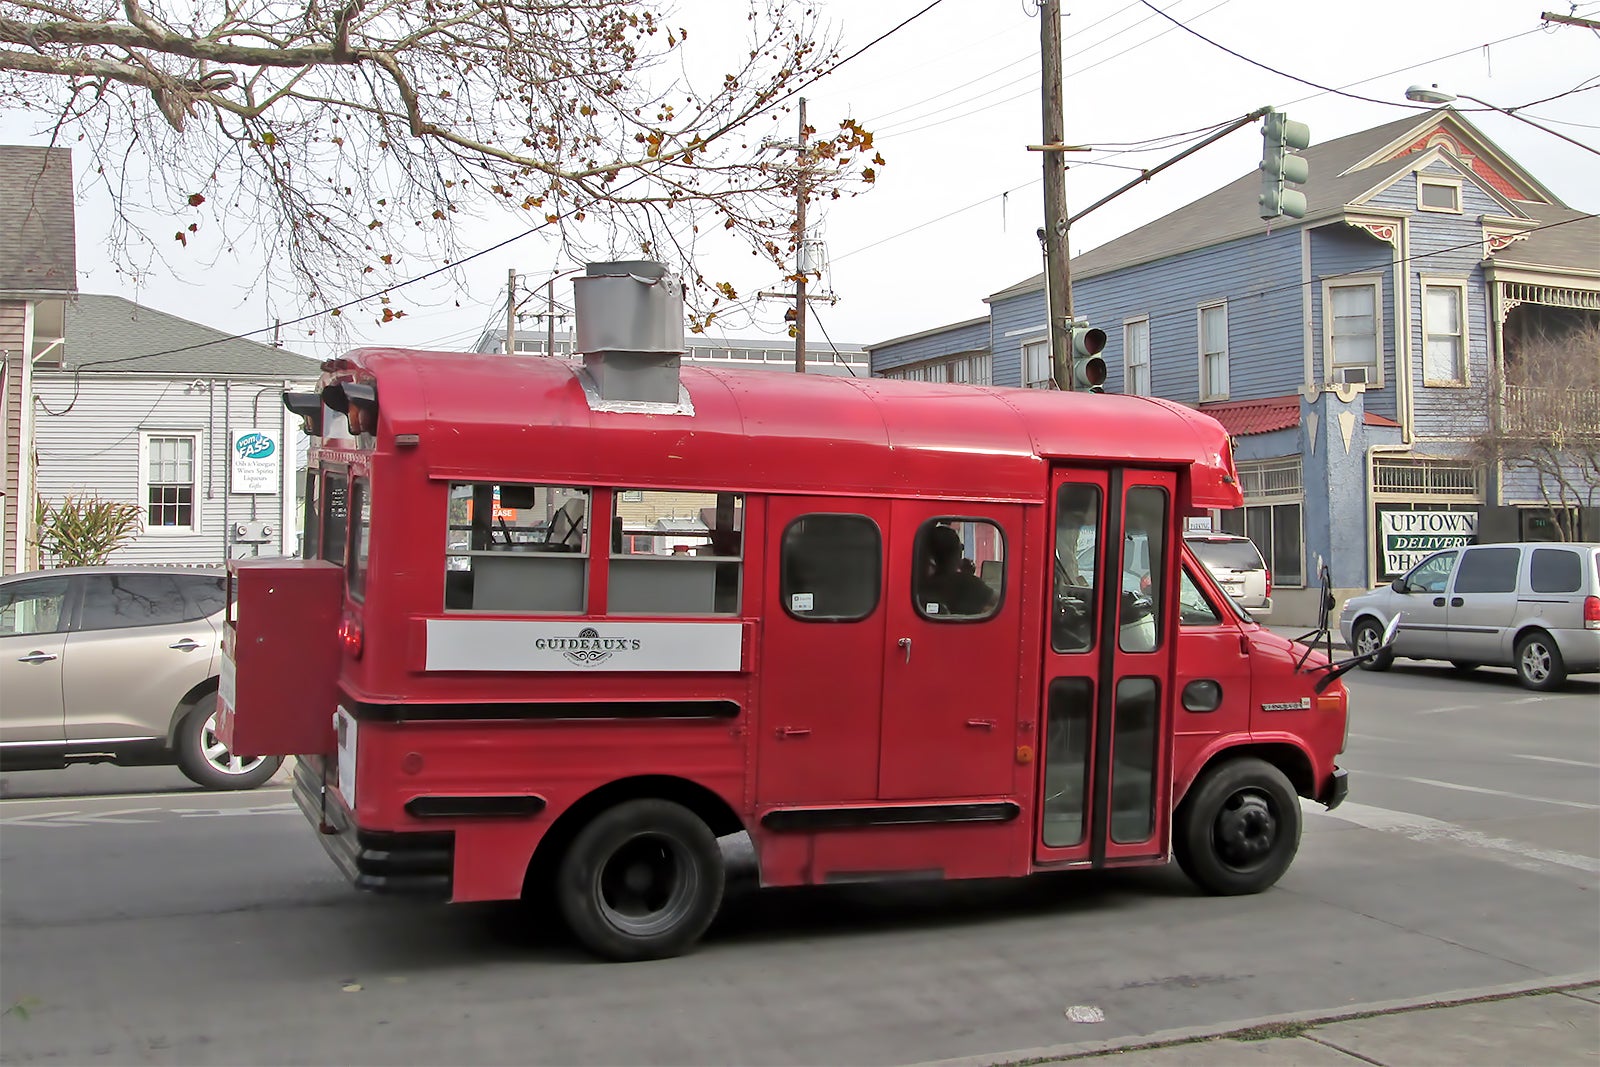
1532,606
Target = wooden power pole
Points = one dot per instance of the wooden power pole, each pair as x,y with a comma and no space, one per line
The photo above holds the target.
1058,277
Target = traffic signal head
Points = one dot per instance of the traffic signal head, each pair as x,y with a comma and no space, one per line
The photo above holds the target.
1281,137
1088,368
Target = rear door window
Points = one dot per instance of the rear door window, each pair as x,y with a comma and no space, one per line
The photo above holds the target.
1228,555
119,601
335,512
1488,570
206,594
831,568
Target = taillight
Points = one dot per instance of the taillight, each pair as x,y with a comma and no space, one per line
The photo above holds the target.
1591,613
350,634
1269,585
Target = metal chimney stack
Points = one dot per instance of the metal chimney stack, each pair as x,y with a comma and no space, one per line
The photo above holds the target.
630,330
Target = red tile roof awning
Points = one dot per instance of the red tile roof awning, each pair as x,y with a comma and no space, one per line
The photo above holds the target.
1241,418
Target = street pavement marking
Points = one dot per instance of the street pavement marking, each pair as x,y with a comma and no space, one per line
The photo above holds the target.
1452,707
190,794
1431,831
51,820
1480,789
1553,759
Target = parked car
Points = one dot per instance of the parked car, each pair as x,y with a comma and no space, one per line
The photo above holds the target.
1236,564
116,664
1532,606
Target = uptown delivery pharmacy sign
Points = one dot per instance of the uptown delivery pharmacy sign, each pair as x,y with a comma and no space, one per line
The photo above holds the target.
254,462
1407,537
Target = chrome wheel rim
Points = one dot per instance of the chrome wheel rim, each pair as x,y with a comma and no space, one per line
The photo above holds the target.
1366,640
217,754
1536,662
647,886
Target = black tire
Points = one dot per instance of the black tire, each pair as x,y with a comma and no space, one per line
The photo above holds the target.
1238,829
1368,634
1463,667
205,763
642,881
1539,663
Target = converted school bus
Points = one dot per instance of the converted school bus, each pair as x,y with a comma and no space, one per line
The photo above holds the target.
913,631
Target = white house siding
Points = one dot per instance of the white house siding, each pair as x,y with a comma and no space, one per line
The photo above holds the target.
1447,246
87,433
13,337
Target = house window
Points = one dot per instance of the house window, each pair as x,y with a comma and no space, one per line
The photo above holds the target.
1273,492
1214,352
1439,194
1036,370
1444,308
1136,357
170,463
1351,321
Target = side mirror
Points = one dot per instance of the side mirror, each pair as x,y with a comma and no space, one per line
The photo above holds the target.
1398,585
1390,630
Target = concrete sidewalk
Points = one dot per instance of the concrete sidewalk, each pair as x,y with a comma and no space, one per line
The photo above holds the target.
1551,1022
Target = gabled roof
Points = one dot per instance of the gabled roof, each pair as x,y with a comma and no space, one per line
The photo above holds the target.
112,335
38,246
1241,418
1343,171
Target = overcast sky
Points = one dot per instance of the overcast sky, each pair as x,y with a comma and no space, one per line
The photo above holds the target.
953,99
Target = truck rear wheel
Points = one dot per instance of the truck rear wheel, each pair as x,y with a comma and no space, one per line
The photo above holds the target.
642,881
1238,829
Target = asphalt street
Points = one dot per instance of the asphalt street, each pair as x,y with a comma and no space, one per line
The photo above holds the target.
144,922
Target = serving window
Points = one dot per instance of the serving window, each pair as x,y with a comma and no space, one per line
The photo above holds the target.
516,548
676,553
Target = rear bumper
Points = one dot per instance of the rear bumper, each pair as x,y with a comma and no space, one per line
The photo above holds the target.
1335,790
379,861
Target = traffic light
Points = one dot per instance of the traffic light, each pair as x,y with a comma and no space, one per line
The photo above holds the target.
1088,368
1281,137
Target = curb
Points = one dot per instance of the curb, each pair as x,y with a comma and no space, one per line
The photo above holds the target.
1315,1017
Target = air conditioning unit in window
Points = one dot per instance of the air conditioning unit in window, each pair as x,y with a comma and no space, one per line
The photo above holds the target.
1352,375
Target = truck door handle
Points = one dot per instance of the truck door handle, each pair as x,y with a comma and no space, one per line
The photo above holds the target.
1438,601
792,731
905,643
36,657
1456,602
188,644
982,724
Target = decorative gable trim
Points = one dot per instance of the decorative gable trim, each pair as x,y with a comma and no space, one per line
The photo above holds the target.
1480,157
1437,162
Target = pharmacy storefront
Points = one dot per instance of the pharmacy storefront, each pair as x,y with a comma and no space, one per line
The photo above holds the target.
1420,506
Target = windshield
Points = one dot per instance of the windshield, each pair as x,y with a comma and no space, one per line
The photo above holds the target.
1230,555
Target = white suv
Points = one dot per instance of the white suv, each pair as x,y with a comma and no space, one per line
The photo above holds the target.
1236,564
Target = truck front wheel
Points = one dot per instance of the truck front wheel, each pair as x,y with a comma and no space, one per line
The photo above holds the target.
1238,829
642,881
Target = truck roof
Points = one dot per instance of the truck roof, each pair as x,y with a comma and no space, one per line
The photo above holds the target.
481,415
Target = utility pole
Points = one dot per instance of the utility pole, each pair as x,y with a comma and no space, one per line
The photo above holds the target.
511,312
802,171
1058,277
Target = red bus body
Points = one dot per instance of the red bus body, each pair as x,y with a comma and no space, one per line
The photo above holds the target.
459,751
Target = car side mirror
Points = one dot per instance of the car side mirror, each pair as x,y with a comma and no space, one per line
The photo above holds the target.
1399,585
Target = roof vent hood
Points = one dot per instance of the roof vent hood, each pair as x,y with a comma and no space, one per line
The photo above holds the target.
630,330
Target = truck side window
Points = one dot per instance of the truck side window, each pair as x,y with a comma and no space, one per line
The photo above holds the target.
516,548
675,553
960,569
1193,607
831,568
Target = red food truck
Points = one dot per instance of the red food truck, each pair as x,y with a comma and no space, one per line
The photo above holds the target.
559,627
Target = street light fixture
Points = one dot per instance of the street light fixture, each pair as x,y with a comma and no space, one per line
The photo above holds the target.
1432,94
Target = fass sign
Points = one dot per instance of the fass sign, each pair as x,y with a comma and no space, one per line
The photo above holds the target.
1407,537
255,459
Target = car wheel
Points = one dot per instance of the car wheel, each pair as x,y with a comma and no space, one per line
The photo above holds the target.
206,761
1539,663
1463,667
642,881
1238,829
1367,636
